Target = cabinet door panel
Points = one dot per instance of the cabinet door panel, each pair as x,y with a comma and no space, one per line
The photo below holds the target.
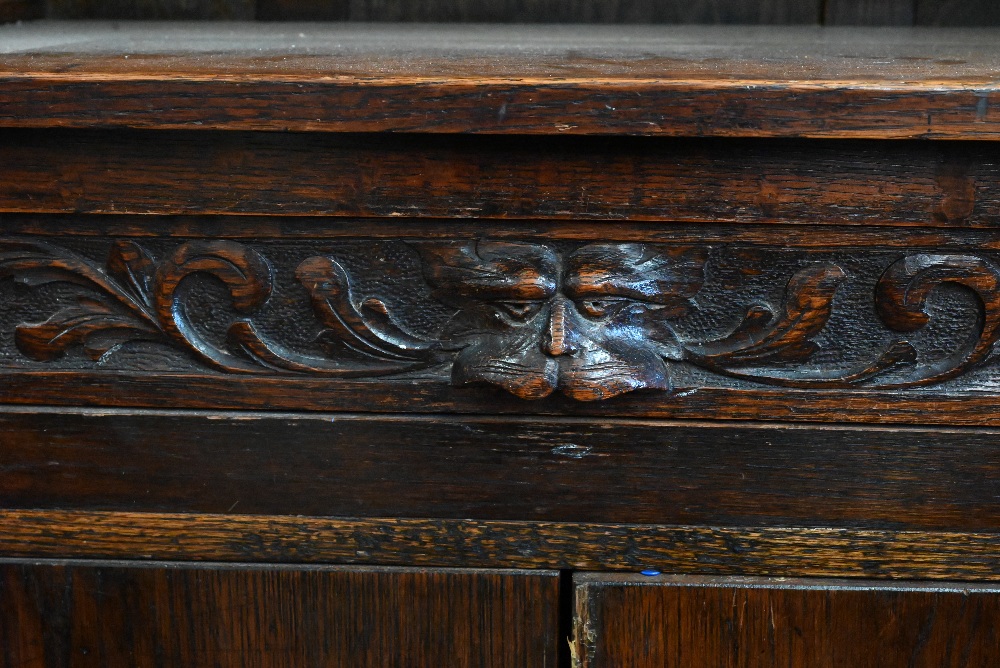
117,614
723,622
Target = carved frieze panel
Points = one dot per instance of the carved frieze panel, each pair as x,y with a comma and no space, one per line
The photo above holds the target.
588,320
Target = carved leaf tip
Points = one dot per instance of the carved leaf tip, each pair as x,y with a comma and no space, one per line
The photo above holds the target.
367,329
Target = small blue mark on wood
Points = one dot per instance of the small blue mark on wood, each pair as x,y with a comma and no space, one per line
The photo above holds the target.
982,106
650,572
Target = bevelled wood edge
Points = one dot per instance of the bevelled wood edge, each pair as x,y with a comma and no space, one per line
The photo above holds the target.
838,110
190,391
643,80
784,552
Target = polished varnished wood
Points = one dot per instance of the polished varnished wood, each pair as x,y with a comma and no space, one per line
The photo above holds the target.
907,184
122,614
542,469
765,82
879,325
766,551
698,622
395,296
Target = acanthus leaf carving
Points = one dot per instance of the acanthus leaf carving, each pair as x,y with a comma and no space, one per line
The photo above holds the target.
366,329
901,298
591,321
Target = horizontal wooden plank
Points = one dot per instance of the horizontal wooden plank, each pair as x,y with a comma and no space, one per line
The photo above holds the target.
418,396
734,82
771,551
123,614
625,472
552,178
703,622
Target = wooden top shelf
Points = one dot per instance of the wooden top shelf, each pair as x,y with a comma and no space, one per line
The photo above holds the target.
874,83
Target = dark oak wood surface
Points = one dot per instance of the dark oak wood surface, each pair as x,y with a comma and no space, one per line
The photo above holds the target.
905,183
736,82
771,551
114,614
762,322
217,217
613,472
697,622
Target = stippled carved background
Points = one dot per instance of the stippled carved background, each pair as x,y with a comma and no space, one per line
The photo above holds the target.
536,317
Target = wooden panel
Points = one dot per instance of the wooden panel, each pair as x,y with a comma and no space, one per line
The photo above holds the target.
817,183
692,622
772,551
530,11
502,469
869,12
958,12
639,80
119,614
816,324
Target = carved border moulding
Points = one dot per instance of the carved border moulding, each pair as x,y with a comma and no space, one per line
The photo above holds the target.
591,323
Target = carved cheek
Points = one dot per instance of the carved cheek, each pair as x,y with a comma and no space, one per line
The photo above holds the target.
511,360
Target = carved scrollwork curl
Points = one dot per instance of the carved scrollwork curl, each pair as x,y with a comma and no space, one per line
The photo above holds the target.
901,301
764,338
134,297
366,329
589,321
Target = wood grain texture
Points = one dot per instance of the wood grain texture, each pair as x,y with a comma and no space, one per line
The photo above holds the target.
501,469
122,614
546,11
768,323
784,552
869,12
698,622
804,82
62,388
943,184
592,321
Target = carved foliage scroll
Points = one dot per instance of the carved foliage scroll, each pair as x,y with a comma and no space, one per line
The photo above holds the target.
590,321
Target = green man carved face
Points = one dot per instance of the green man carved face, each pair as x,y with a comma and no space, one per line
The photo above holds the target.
591,323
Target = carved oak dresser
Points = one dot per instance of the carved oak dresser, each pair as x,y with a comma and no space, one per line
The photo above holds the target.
537,346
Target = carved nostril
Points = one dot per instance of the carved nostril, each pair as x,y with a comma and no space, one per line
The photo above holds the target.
559,340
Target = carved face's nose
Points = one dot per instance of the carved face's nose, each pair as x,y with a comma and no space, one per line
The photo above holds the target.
561,336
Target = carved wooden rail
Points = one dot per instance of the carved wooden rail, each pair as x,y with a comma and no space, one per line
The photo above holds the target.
592,320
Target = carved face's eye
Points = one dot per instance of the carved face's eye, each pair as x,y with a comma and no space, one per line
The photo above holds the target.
601,308
520,311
